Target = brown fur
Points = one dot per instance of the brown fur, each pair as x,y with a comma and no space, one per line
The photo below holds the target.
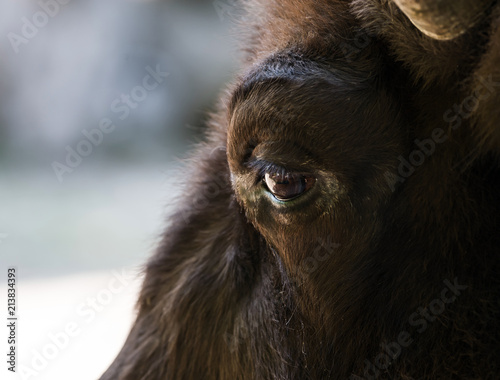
226,296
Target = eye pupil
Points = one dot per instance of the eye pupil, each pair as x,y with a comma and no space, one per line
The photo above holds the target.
286,186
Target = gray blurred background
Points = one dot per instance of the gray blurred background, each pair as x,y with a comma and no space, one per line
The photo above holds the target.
99,102
65,66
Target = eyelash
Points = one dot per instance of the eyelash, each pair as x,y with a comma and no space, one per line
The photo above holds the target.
263,167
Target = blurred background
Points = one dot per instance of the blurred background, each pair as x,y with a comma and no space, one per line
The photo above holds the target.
99,101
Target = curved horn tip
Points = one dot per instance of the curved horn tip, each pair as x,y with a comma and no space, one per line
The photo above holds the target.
444,19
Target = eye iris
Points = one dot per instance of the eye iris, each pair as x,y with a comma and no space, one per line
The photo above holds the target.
286,186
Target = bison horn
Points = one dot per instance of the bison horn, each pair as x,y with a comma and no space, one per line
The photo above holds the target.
444,19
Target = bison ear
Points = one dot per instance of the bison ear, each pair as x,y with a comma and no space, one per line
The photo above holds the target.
205,265
444,19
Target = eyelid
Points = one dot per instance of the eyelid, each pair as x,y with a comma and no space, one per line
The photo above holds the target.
260,165
279,154
260,168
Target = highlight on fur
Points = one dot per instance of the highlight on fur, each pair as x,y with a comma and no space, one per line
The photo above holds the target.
341,218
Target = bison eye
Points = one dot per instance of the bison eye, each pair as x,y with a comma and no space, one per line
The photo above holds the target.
286,186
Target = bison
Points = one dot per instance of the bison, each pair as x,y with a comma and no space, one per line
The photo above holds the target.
340,221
